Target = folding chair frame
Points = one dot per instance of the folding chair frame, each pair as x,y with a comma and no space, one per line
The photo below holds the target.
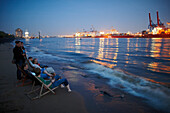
41,93
23,79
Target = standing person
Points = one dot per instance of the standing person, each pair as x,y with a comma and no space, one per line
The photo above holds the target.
23,48
19,57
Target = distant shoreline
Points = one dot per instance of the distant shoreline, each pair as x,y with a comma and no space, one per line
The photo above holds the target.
7,40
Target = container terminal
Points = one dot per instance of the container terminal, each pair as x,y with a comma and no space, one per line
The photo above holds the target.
154,31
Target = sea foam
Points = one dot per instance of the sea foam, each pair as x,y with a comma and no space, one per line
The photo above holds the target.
156,95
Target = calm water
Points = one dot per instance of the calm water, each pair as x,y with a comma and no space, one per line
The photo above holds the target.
138,66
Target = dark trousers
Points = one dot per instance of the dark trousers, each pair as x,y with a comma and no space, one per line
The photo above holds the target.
20,63
58,82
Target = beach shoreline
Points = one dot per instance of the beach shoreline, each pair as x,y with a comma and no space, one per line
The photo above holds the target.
13,99
6,40
87,96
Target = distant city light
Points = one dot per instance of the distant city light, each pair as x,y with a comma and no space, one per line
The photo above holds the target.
26,34
101,32
156,30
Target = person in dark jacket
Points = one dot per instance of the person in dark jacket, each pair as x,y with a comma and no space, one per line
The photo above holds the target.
19,57
23,48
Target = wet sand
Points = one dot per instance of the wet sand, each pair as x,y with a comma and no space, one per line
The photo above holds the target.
88,94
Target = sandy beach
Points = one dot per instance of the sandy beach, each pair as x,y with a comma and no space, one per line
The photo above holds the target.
13,99
87,96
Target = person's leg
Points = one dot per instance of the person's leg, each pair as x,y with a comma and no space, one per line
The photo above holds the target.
18,74
30,76
62,81
57,77
44,76
19,63
68,87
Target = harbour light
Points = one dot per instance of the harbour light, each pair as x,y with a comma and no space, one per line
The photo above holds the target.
101,32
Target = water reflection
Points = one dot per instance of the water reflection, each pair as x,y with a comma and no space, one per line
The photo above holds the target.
116,50
77,45
101,48
159,50
156,47
107,54
136,44
136,55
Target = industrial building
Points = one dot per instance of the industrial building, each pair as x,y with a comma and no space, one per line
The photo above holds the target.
19,33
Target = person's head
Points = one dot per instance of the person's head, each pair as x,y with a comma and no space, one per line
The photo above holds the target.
25,66
30,58
18,43
22,44
45,66
35,61
37,71
53,74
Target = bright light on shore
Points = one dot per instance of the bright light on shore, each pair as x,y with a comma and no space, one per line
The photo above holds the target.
101,32
26,34
78,34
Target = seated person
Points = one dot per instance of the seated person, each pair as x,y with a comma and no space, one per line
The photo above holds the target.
30,59
50,70
32,66
45,75
54,82
35,61
25,68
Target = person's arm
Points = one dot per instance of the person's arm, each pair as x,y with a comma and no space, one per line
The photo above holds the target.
17,55
44,81
49,84
31,64
23,54
48,73
52,81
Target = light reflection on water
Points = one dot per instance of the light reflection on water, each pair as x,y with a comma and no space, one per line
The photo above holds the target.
141,56
131,64
159,50
145,57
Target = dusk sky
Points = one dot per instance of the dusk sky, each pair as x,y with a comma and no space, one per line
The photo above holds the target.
59,17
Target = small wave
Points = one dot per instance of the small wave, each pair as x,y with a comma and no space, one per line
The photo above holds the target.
156,94
75,54
35,49
43,55
87,62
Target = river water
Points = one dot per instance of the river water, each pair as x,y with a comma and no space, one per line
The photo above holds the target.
138,66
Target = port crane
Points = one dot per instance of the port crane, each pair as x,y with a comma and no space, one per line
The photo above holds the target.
92,29
159,23
151,25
